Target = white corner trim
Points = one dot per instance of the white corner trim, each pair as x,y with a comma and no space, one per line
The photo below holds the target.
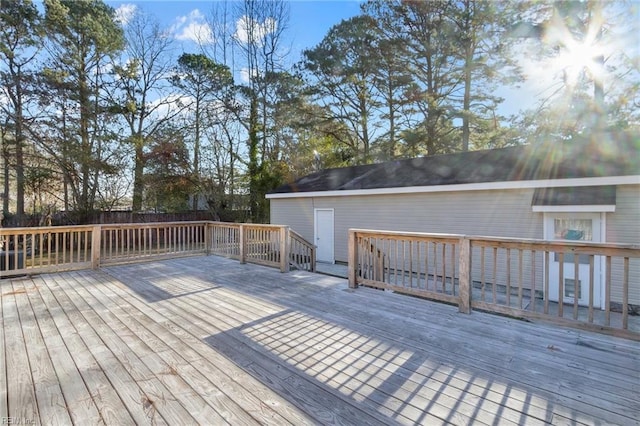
523,184
575,209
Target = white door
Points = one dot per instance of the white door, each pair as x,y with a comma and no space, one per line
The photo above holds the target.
323,234
574,227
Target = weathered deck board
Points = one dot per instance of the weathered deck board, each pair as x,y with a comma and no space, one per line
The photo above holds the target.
208,340
78,375
50,401
4,409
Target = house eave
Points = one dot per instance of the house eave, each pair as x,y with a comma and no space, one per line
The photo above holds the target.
484,186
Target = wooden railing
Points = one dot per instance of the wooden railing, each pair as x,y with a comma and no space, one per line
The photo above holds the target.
591,286
47,249
302,254
133,242
54,249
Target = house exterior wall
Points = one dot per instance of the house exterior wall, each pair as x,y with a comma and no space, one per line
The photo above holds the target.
505,213
492,213
623,226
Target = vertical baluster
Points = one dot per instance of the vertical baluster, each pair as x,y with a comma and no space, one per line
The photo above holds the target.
591,286
533,281
452,262
444,267
520,278
607,293
576,284
508,283
495,276
546,282
482,278
625,294
561,284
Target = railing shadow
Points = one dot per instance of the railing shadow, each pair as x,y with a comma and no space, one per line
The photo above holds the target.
419,376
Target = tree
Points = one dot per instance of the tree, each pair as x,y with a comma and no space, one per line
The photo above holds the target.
258,36
168,173
484,62
83,38
142,98
20,39
592,79
208,87
431,56
341,68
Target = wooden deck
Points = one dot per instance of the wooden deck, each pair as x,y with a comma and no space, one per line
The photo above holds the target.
209,340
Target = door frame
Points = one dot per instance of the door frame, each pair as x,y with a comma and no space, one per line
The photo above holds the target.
599,264
316,237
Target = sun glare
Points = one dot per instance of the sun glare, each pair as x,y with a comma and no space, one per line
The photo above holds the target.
576,55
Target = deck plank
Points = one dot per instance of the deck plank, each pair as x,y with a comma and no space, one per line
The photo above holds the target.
95,359
21,402
185,382
316,358
561,381
4,409
210,340
232,390
50,400
87,392
182,310
155,398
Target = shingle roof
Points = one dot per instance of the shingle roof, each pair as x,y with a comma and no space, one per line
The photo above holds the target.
619,156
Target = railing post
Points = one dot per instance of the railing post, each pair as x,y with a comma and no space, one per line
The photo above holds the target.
96,242
285,247
352,258
208,229
464,277
243,245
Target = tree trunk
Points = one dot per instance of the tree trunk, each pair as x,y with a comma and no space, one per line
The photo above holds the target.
253,166
138,176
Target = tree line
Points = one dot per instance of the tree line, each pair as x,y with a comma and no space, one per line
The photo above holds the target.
99,113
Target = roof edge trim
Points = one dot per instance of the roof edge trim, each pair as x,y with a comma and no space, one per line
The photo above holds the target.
591,208
523,184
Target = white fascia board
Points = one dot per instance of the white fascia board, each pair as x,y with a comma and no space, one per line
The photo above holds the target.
485,186
575,209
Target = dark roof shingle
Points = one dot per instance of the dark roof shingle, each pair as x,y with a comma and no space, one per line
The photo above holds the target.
561,160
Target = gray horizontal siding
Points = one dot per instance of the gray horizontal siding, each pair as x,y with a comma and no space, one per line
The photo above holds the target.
492,213
623,226
499,213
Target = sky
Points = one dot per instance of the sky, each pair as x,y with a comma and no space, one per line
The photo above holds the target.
309,19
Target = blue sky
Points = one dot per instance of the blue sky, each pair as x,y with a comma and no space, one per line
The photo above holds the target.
309,20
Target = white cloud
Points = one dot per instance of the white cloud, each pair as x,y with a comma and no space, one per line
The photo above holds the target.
125,12
247,28
192,27
244,75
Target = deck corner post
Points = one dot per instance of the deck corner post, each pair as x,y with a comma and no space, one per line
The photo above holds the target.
96,242
353,258
243,244
464,277
285,247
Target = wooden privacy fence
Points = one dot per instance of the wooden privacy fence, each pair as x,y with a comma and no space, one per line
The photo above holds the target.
64,248
594,286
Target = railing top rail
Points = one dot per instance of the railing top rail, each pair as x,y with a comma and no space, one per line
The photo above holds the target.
406,234
294,234
578,247
152,224
44,229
